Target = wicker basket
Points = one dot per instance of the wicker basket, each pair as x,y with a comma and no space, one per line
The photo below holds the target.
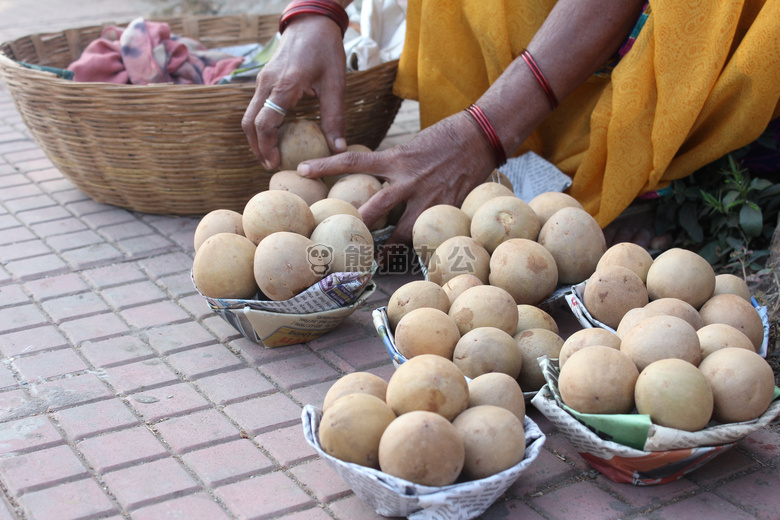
167,149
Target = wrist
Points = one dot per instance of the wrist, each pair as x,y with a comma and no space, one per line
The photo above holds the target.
327,8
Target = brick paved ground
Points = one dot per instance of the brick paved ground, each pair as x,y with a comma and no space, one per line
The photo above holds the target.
123,396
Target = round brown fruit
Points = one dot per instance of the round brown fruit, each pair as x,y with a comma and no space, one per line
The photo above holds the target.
484,306
675,307
487,349
661,337
483,193
428,382
534,343
674,394
217,221
576,241
272,211
310,190
355,383
426,331
299,141
546,204
611,292
435,225
351,429
357,189
532,317
456,256
630,319
679,273
460,283
282,267
497,389
350,243
629,255
415,295
325,208
716,336
731,284
598,379
742,384
422,447
587,338
525,269
735,311
494,440
502,218
223,267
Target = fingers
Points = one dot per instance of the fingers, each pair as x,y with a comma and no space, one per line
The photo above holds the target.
332,115
347,162
380,204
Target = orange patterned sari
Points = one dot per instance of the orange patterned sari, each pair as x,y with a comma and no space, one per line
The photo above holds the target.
702,79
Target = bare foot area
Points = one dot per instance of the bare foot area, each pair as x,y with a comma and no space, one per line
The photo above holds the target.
635,225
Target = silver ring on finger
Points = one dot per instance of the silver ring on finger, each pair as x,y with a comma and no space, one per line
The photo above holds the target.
276,108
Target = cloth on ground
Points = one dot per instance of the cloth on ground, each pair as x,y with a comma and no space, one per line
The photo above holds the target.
146,53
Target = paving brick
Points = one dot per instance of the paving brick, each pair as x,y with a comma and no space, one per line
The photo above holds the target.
7,222
92,255
37,267
43,215
581,501
169,226
117,450
94,328
203,361
7,511
65,197
77,240
57,185
74,306
71,501
34,164
266,496
25,155
266,413
181,285
93,419
314,513
28,434
545,470
755,493
236,385
705,505
30,203
63,226
15,404
89,207
346,332
49,364
196,305
18,192
301,370
260,355
100,219
154,481
363,353
20,317
314,394
140,376
160,313
70,391
133,294
197,430
180,336
320,478
31,249
20,236
117,274
644,497
168,401
56,286
47,174
7,379
116,351
164,265
7,181
287,445
225,463
353,508
33,339
723,466
128,229
11,295
509,508
221,329
141,247
562,448
199,506
39,469
764,444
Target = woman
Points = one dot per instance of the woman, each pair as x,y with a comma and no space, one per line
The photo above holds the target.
702,79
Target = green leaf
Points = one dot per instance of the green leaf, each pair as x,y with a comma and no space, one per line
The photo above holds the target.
760,184
690,222
710,252
735,243
750,220
730,199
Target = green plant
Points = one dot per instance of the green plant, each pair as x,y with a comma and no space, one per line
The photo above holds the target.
725,213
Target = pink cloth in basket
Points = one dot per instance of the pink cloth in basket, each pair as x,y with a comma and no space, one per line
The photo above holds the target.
146,53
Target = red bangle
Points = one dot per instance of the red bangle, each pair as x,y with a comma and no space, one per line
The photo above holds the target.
490,133
327,8
529,60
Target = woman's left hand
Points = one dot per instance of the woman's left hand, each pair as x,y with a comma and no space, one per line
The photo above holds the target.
440,165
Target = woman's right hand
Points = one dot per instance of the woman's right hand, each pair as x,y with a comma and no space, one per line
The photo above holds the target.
310,61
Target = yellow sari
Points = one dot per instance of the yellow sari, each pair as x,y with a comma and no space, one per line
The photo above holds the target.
702,79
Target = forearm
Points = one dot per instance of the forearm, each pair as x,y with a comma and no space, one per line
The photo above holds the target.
577,39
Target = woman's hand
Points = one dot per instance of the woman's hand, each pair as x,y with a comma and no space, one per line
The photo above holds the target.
309,61
440,165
